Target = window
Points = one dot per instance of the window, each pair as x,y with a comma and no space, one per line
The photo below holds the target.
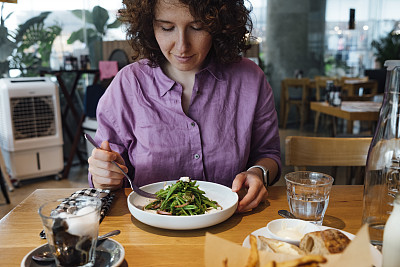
349,52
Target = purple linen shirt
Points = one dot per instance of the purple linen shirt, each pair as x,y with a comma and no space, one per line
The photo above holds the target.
231,123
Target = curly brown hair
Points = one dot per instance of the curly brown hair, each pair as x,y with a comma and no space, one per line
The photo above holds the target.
228,22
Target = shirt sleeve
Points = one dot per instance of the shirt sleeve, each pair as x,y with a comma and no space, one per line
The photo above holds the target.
110,119
265,131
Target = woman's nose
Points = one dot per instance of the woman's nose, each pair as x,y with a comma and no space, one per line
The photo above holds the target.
183,42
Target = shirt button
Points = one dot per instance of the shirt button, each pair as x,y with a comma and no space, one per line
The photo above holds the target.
196,156
193,124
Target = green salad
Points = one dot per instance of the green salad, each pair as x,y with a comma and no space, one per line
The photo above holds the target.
184,198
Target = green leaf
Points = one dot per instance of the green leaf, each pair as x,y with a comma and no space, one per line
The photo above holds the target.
115,24
76,36
91,36
387,47
8,16
79,14
100,18
30,23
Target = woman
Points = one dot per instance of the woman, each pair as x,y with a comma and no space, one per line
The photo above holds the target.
191,106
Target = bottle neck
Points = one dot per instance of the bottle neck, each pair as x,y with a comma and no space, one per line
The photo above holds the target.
392,85
389,118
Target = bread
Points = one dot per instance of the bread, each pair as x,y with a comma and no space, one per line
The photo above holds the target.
325,242
273,245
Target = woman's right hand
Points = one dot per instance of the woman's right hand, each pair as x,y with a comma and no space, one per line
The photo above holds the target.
105,174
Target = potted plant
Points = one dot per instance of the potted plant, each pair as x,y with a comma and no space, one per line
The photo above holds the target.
28,48
387,47
7,44
94,36
34,43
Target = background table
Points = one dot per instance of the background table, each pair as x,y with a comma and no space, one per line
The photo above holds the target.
148,246
350,111
351,87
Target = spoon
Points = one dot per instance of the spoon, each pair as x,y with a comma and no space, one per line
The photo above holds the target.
286,214
109,234
43,256
133,185
48,256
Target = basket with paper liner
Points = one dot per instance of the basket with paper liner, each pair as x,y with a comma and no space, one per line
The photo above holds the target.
220,252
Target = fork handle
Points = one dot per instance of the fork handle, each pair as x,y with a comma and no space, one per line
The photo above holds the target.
134,187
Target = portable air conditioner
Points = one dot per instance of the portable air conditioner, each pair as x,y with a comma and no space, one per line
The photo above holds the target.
30,127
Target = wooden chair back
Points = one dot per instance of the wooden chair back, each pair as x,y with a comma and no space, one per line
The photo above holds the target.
288,85
302,151
302,83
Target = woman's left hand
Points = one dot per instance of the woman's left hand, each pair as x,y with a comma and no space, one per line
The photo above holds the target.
256,191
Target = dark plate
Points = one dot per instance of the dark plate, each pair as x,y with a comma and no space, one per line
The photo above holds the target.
108,253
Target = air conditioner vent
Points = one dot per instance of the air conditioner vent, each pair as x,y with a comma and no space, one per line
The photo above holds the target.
33,117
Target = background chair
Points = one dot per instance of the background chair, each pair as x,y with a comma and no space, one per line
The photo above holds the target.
291,96
320,88
302,151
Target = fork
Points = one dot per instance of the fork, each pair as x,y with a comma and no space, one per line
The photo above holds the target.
133,185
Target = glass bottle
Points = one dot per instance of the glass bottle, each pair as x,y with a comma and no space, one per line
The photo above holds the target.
391,237
382,176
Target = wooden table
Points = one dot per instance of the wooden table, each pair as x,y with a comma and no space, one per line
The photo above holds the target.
351,87
350,111
148,246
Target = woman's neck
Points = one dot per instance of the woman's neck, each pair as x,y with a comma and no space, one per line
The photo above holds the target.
181,77
186,80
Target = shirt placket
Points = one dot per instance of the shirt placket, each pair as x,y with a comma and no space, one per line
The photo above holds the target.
196,156
195,138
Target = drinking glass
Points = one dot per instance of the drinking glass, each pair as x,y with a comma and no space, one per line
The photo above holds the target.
308,194
72,230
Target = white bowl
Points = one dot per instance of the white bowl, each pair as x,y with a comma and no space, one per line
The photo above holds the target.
290,230
227,199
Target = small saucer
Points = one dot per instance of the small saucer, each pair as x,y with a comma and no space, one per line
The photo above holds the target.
108,253
290,230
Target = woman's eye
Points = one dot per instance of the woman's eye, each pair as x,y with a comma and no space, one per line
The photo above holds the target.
167,29
197,28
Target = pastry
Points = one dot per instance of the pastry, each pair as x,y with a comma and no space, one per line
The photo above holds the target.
325,242
273,245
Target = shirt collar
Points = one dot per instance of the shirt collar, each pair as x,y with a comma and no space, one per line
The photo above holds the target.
163,82
214,69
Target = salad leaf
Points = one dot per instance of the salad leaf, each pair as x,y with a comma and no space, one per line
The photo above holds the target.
182,199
